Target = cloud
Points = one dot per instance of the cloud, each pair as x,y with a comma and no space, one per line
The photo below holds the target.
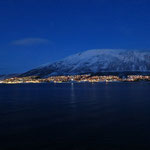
30,41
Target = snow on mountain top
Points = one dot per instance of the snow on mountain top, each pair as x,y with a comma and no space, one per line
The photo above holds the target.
104,53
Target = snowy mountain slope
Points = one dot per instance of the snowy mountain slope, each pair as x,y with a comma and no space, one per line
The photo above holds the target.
95,61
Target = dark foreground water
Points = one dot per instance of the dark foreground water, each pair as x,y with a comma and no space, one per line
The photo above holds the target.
113,116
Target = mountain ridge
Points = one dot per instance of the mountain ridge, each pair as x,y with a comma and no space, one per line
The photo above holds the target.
96,61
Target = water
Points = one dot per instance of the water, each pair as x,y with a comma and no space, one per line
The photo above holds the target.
100,116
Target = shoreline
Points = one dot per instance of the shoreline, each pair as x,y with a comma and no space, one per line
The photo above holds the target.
80,82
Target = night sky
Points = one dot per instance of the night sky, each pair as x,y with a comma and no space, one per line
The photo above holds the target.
34,32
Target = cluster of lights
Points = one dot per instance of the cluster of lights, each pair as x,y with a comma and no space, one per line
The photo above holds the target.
75,78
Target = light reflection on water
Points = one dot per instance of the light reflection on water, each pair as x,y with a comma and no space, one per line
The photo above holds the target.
72,94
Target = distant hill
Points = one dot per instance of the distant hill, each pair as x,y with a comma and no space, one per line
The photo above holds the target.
7,76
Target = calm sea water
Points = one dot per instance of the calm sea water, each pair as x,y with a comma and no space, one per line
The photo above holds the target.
100,116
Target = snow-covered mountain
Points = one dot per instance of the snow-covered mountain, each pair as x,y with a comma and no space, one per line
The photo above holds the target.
96,61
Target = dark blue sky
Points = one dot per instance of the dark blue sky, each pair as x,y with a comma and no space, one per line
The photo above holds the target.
34,32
